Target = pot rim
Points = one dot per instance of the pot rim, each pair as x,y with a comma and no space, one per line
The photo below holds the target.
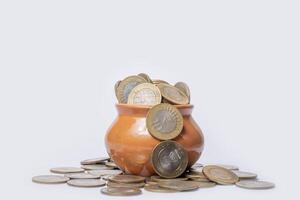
147,106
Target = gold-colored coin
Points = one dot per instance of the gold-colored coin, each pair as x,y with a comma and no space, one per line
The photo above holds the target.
135,185
169,159
157,188
146,77
125,87
127,179
145,94
173,94
255,184
120,191
50,179
158,178
180,185
91,161
220,175
164,121
244,175
184,88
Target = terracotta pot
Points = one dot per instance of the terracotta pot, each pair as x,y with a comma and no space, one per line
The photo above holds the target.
130,145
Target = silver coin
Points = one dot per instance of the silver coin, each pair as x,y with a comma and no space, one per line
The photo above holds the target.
104,172
95,166
86,182
111,164
120,191
91,161
65,170
50,179
81,176
230,167
254,184
244,175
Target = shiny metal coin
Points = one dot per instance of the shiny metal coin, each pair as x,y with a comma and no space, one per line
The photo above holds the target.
173,94
145,94
244,175
157,188
146,77
127,179
125,87
96,167
194,174
135,185
230,167
86,182
254,184
220,175
111,164
202,184
184,88
81,176
104,172
50,179
158,81
169,159
120,191
116,87
92,161
65,170
180,185
164,121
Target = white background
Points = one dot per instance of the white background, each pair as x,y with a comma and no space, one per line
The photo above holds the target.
59,61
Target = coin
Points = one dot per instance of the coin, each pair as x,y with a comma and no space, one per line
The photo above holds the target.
164,121
65,170
254,184
158,81
146,77
169,159
125,87
116,87
220,175
204,184
50,179
145,94
173,94
158,178
91,161
111,164
230,167
135,185
200,179
184,88
120,191
244,175
179,185
81,176
157,188
96,166
86,182
127,179
195,174
99,172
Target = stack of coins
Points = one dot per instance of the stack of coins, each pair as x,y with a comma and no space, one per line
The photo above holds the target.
114,182
164,121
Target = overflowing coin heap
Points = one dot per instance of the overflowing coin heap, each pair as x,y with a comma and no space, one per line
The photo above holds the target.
102,172
169,159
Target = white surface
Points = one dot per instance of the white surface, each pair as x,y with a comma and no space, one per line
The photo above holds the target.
59,61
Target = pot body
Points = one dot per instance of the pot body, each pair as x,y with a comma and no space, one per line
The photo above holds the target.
129,143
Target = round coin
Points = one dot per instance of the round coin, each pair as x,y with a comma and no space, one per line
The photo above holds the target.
96,166
184,88
120,191
157,188
86,182
195,174
254,184
81,176
204,184
111,164
169,159
135,185
99,172
127,179
146,77
173,94
116,87
180,185
145,94
91,161
220,175
230,167
164,121
158,81
65,170
50,179
158,178
244,175
125,87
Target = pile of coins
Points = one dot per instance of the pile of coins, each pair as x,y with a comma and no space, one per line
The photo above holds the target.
102,172
164,121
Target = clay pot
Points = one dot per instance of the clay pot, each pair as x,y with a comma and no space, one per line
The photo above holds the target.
129,143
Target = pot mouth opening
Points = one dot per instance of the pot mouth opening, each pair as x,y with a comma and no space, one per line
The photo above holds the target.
147,106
